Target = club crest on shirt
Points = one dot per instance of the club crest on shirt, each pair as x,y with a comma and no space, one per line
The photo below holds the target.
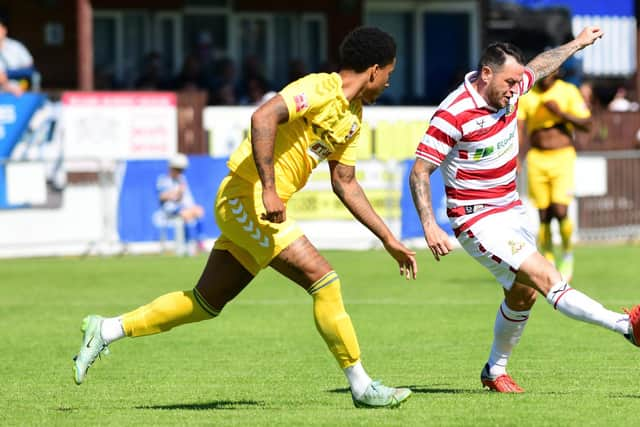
301,102
515,246
319,149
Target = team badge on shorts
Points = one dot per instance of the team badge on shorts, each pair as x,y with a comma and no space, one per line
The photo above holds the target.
515,246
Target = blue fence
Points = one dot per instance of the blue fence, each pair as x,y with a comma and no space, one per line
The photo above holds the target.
15,114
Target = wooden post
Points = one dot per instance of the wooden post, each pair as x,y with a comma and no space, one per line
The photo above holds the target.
85,44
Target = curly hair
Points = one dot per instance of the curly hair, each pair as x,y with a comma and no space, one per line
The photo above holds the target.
495,55
366,46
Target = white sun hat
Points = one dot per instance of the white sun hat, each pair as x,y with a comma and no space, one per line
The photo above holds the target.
179,161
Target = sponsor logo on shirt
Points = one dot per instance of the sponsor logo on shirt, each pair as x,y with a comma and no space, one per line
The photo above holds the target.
481,153
301,102
319,149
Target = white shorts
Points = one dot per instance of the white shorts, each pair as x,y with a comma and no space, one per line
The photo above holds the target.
501,242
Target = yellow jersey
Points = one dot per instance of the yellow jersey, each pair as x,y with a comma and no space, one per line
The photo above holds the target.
566,95
322,124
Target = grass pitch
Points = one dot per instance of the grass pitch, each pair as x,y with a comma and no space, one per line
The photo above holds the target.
263,363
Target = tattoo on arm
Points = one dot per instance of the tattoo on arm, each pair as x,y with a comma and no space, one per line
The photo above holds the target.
546,62
264,125
419,182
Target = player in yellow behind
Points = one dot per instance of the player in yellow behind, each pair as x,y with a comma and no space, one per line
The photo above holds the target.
550,113
315,118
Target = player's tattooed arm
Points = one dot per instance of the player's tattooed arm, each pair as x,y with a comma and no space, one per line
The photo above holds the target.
264,125
348,189
420,184
548,61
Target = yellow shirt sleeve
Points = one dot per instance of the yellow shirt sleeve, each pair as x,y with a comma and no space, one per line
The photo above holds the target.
306,96
577,106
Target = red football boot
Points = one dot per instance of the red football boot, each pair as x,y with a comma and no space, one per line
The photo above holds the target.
500,383
634,326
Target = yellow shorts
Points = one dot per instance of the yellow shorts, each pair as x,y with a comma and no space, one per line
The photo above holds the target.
550,176
252,241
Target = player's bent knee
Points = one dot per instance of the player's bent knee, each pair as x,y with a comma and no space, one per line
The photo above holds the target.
206,305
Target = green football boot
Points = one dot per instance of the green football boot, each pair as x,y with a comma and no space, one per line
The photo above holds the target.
92,346
378,395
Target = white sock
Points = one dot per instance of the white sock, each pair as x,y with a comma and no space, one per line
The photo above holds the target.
507,331
578,306
111,330
358,379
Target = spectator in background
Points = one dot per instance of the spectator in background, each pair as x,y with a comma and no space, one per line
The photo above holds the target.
191,76
176,200
152,76
258,92
224,83
252,72
621,103
16,63
224,95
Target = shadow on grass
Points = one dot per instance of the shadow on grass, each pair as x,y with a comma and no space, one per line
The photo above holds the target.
205,406
422,389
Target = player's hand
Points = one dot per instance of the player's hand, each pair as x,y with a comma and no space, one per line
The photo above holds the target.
405,257
589,35
275,210
438,241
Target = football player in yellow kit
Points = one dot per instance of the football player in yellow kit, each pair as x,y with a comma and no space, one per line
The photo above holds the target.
315,118
549,114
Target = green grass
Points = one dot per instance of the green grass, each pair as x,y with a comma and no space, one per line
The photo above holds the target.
263,363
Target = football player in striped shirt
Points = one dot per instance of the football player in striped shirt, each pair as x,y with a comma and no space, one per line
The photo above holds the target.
313,119
473,138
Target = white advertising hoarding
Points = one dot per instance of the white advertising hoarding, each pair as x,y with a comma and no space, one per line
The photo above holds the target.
119,125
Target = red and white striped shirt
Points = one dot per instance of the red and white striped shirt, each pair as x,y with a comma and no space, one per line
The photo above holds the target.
476,148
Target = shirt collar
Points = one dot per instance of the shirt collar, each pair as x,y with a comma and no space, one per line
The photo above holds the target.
477,99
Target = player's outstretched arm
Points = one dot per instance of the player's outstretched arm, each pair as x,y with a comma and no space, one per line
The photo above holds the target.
548,61
264,125
420,184
346,187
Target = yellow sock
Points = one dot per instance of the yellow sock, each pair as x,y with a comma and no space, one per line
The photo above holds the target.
166,312
566,232
333,323
544,240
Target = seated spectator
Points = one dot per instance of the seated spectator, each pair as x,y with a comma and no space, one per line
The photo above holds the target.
258,92
224,95
176,200
152,76
224,83
621,103
16,63
191,76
